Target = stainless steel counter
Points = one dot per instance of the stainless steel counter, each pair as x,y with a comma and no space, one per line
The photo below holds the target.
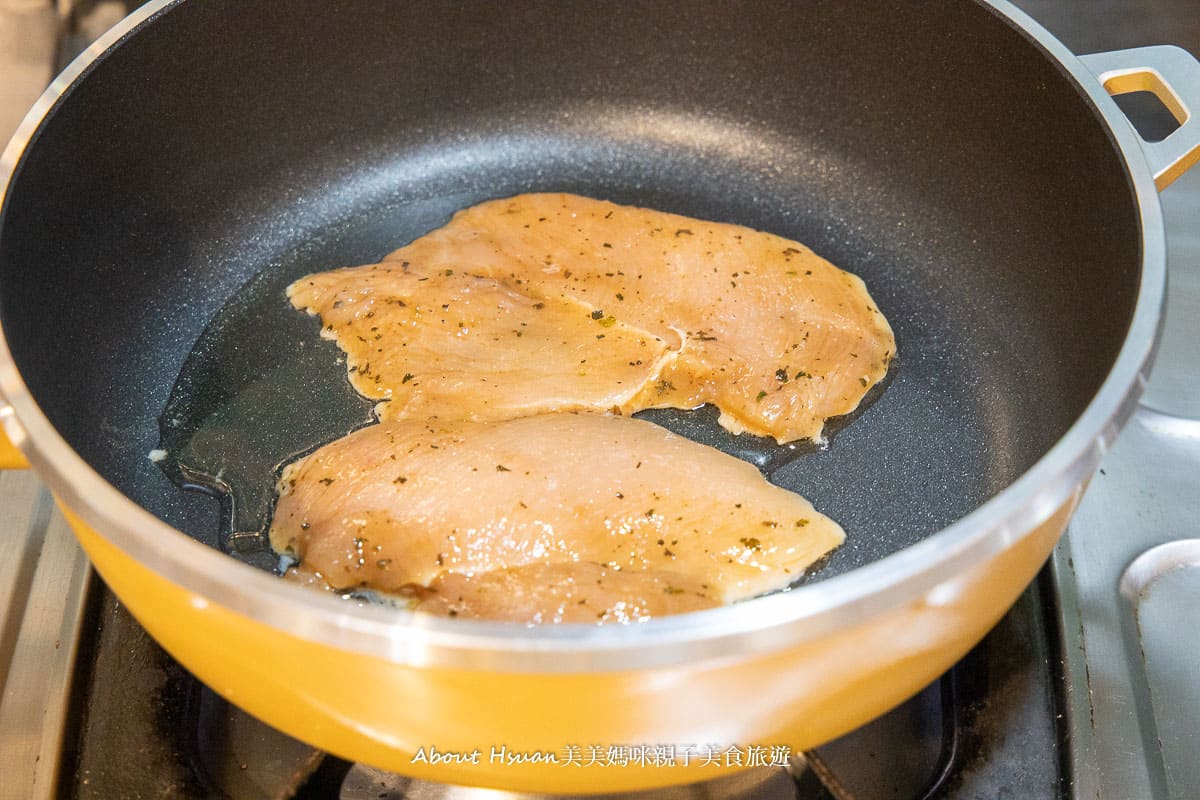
1129,568
28,38
43,573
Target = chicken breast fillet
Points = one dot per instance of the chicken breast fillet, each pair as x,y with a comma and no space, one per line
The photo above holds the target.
593,305
449,345
774,335
554,517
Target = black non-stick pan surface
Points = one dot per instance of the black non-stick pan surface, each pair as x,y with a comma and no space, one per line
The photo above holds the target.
229,147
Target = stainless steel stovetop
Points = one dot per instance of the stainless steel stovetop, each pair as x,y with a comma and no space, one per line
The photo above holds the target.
1126,577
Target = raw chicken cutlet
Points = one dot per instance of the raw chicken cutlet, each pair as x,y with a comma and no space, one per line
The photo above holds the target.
451,345
565,592
555,517
775,336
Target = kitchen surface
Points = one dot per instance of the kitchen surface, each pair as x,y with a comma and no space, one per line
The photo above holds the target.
1085,690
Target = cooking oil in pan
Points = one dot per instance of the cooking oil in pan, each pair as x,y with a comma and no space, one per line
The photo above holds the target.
259,389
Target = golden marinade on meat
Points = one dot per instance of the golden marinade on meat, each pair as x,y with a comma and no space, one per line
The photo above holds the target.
404,505
503,481
629,309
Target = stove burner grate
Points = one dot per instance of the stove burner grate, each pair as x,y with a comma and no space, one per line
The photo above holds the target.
987,727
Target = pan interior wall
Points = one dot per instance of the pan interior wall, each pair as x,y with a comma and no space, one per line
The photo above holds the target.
934,152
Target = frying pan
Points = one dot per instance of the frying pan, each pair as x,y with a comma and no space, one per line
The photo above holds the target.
975,173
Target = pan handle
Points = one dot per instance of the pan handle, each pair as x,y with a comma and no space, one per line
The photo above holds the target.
10,456
1171,74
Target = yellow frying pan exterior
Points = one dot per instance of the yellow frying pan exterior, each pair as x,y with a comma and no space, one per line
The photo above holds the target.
10,456
390,715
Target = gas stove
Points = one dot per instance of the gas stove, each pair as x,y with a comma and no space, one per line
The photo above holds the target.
1084,690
